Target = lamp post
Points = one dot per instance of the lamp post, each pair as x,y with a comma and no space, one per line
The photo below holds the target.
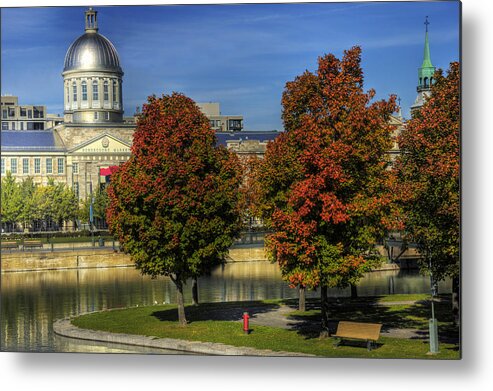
91,219
433,325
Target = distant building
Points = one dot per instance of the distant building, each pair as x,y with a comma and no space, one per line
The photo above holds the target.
219,122
25,117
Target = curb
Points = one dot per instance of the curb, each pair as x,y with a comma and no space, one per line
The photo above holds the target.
65,328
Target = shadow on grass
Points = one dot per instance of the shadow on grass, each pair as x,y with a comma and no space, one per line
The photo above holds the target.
370,310
231,311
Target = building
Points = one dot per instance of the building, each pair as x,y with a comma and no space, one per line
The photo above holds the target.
219,122
94,136
25,117
425,75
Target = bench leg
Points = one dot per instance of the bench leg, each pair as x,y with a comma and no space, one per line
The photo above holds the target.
337,343
369,345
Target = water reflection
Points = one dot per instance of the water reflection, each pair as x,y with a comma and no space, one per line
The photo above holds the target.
31,301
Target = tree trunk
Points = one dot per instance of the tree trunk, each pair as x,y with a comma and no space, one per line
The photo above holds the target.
456,299
324,312
195,292
354,291
301,300
182,320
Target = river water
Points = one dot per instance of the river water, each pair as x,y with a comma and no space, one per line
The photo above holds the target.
32,301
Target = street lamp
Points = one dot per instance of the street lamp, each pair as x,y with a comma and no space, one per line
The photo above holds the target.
91,219
433,324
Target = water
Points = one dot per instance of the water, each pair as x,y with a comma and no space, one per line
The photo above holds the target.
32,301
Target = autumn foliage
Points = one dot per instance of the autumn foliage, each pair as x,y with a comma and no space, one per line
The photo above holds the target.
175,204
428,171
324,180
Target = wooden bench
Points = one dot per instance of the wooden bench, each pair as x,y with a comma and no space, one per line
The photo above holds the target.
369,332
32,244
10,245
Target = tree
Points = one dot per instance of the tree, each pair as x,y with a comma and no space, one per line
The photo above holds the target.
174,205
325,180
428,172
11,202
30,202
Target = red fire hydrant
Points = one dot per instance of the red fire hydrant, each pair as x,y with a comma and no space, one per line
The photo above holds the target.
246,326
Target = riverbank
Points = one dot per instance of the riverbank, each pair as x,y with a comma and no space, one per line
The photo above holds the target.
276,328
104,257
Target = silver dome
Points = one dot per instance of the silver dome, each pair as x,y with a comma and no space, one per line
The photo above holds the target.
92,51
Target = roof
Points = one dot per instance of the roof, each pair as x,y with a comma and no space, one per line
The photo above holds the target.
223,137
92,51
29,140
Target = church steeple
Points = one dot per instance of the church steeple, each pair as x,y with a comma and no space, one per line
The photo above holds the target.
427,70
425,74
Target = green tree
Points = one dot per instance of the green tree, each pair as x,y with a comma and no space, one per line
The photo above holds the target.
325,180
30,202
428,172
175,204
11,202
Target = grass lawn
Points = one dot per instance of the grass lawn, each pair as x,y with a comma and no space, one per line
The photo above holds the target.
221,322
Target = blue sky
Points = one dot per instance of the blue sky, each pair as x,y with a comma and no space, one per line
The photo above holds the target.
238,55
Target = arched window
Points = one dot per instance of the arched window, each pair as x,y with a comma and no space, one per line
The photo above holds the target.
84,90
95,91
426,82
67,90
431,81
74,91
420,81
106,92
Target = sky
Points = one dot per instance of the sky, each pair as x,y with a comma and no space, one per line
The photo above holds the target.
240,55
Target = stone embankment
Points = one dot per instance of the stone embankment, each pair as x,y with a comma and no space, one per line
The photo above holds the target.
100,257
65,328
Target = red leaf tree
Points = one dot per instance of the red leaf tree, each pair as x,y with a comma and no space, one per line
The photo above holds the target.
428,172
324,180
175,204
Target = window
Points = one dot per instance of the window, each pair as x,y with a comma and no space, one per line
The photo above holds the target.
25,166
74,91
75,168
22,125
11,112
96,115
234,124
49,165
4,113
60,165
212,122
13,166
23,112
84,90
37,165
13,125
29,113
107,116
114,91
5,126
95,92
67,90
3,166
106,91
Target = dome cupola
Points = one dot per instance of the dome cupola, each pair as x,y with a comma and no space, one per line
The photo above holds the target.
92,77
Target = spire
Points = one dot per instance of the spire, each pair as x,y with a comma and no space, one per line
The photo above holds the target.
426,56
91,17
